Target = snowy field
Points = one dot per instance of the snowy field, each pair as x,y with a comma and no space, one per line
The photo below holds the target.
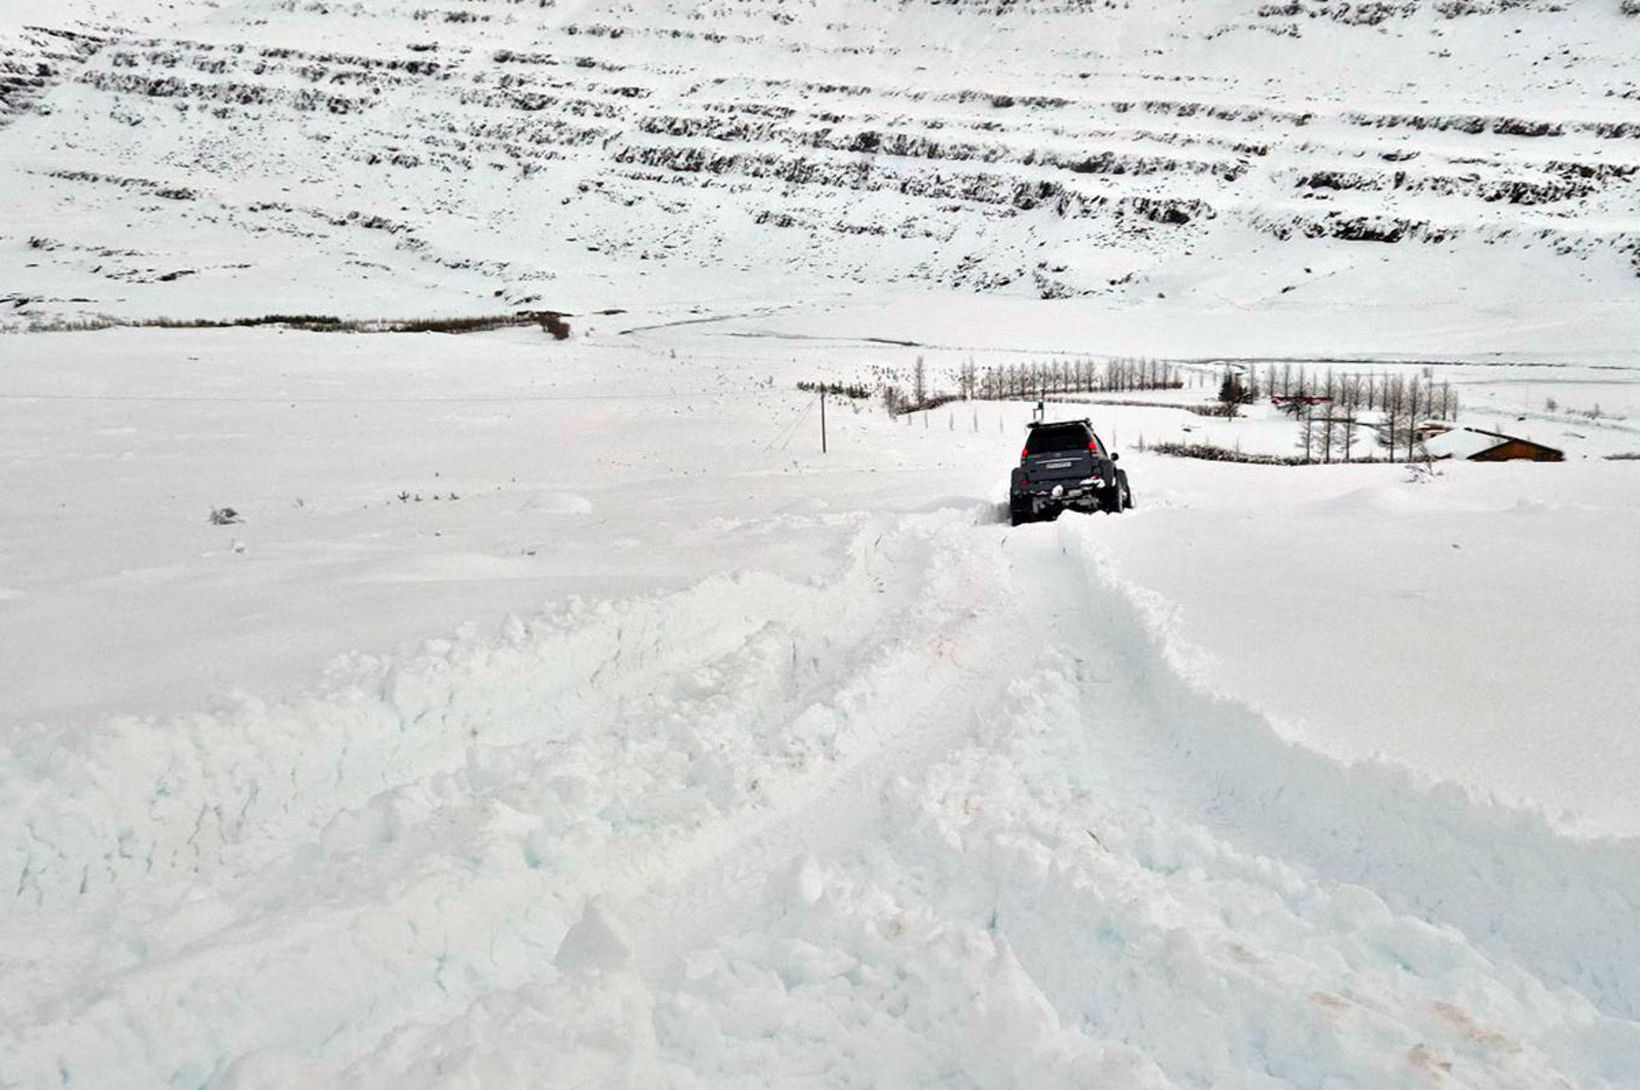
651,747
556,713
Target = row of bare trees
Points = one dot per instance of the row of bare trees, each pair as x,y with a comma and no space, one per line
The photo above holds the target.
1068,376
1360,390
1332,410
1341,415
1028,380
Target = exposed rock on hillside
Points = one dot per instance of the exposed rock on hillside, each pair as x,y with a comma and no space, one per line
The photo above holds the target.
530,151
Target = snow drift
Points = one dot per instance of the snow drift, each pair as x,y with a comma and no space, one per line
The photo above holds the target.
872,833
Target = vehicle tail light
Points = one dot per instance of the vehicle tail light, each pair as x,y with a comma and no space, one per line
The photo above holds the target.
1024,453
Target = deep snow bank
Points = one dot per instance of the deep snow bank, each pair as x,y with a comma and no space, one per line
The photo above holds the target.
1103,883
854,831
1562,908
1425,624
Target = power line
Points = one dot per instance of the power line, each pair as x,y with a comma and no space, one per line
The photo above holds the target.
789,432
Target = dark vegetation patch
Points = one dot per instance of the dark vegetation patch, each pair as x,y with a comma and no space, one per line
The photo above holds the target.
1567,181
1212,452
550,321
41,58
852,390
1376,12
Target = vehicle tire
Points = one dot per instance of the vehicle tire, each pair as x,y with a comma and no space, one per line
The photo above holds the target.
1127,493
1018,514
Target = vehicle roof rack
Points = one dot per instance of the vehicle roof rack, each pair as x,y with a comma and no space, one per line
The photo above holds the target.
1051,423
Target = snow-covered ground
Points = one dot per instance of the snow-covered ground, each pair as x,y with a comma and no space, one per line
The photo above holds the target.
557,713
650,746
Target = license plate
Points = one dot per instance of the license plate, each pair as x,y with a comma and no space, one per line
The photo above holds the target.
1058,465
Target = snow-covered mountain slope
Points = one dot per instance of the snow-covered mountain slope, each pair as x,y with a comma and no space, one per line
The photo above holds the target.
389,154
41,47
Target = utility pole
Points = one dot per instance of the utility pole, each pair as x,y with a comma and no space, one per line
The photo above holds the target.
822,420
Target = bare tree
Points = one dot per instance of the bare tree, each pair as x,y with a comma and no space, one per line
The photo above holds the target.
1329,394
1349,391
893,399
1232,392
1306,430
1417,405
1394,405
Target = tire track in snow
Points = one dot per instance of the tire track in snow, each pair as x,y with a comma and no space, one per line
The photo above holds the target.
1126,875
907,707
455,879
470,835
1192,799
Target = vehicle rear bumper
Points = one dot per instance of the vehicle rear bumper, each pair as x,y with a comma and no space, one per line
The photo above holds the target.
1047,494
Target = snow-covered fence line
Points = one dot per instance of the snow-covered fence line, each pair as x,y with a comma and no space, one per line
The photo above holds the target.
898,404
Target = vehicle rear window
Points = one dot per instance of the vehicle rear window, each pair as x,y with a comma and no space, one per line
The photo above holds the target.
1058,437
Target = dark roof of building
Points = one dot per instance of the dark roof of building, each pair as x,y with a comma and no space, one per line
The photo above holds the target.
1509,438
1461,442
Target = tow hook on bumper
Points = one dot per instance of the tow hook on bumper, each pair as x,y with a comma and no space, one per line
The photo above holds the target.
1059,495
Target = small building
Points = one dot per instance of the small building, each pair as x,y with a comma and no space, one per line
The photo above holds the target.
1479,445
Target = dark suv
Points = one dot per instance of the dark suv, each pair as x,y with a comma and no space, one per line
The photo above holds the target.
1065,465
